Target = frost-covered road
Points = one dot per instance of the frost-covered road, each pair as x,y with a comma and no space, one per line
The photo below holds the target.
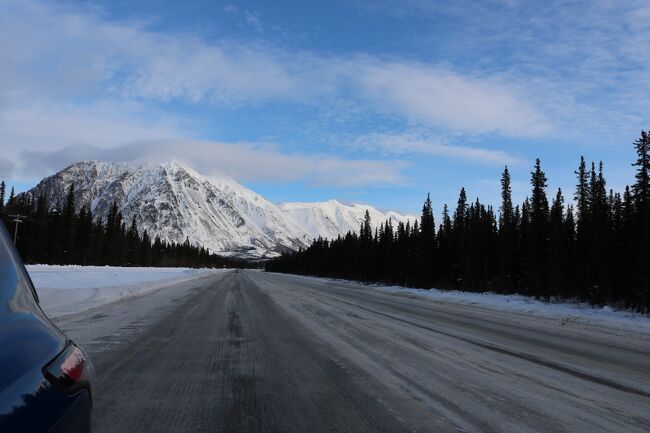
254,352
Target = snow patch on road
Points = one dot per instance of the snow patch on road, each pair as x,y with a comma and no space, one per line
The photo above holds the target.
65,290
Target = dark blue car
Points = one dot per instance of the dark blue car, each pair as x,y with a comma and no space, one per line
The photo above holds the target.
44,377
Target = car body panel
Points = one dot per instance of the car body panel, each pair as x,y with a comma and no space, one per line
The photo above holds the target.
28,342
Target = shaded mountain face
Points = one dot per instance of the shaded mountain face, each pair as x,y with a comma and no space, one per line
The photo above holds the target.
175,203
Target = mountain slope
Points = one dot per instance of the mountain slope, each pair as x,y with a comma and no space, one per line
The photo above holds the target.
174,202
332,218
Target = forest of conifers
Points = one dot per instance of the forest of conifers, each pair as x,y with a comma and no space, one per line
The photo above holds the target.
596,248
66,237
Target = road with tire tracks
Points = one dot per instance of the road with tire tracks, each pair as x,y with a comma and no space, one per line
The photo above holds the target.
248,351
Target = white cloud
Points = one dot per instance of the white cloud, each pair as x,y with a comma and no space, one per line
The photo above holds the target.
231,9
72,78
242,161
254,21
66,52
446,99
52,126
417,143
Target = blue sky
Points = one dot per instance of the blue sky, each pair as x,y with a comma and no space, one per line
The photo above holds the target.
364,101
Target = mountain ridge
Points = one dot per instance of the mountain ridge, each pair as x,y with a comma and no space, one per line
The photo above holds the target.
331,218
174,202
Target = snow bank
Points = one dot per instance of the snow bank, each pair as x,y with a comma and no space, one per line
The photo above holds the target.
65,290
564,311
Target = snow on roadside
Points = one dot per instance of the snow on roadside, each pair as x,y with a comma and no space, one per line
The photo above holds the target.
565,311
65,290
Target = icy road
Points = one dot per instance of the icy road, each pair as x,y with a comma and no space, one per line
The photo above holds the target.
255,352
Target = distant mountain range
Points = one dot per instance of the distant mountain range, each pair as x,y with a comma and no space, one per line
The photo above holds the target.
174,202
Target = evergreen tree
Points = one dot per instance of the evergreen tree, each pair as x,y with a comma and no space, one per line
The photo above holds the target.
68,233
3,188
445,243
641,194
641,188
12,198
41,236
132,244
598,244
583,234
507,239
557,246
427,244
366,247
366,229
537,248
458,236
569,253
84,236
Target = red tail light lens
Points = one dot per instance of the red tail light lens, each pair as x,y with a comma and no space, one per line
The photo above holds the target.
70,370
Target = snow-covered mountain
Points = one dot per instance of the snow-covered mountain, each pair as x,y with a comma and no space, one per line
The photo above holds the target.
174,202
332,218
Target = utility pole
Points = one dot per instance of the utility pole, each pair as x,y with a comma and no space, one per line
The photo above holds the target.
17,220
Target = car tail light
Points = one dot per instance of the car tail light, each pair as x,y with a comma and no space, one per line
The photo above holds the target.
70,370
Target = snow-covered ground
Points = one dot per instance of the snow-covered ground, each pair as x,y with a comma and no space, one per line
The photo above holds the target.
65,290
565,311
562,311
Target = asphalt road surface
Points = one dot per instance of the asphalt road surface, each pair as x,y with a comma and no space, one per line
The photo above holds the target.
249,351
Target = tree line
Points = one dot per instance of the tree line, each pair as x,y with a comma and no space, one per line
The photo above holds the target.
595,248
63,236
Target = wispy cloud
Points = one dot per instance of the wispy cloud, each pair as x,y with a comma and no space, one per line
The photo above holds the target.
443,98
71,77
50,126
582,64
418,143
84,54
243,161
231,9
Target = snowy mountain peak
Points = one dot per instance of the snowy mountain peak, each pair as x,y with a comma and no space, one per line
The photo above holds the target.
174,202
331,218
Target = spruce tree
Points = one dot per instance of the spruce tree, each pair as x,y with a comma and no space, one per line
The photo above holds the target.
132,240
427,223
459,239
12,198
583,232
569,252
445,254
582,193
641,194
557,246
366,229
365,238
41,223
69,227
507,241
537,249
641,187
598,244
506,209
3,188
426,247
